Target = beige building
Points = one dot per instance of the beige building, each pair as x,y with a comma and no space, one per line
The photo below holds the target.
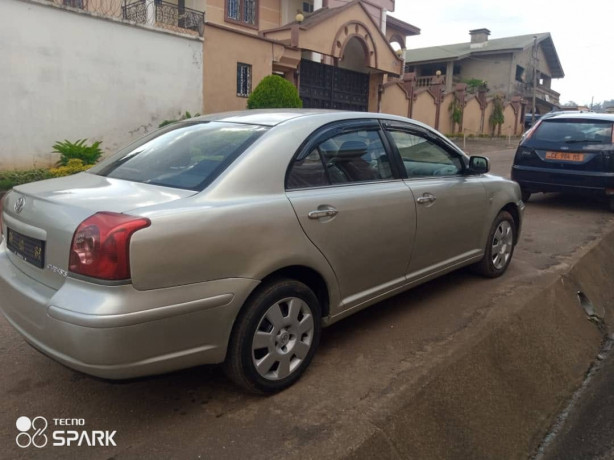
337,53
521,66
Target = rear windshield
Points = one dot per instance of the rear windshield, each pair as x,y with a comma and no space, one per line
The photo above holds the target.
187,156
574,131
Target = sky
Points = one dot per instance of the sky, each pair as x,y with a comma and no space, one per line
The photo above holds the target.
582,31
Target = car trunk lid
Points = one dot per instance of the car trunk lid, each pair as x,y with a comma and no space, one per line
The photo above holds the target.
39,219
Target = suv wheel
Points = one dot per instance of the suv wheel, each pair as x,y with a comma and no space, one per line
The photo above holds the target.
275,337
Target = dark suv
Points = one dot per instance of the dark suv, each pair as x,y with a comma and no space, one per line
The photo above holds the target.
569,152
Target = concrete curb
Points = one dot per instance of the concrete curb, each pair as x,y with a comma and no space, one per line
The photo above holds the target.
497,396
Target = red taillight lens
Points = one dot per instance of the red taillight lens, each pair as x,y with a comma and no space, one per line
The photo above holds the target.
101,245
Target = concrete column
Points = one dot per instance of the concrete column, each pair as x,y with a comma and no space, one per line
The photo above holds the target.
316,57
150,9
449,76
383,25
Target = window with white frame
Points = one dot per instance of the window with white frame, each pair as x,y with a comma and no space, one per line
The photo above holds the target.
244,79
308,6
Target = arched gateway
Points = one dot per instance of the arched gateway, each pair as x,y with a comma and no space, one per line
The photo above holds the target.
343,61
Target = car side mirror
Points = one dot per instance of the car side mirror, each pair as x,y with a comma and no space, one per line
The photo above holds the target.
479,165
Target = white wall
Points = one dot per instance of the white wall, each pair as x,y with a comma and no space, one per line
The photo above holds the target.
66,75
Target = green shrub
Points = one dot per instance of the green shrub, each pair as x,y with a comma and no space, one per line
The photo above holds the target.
185,116
475,84
88,154
274,91
10,179
73,166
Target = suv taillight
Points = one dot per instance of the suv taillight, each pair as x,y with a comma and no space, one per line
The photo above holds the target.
523,154
101,245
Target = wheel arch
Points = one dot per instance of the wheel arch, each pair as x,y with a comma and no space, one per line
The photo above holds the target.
512,208
308,276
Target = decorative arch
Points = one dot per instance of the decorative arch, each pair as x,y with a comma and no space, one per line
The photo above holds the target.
355,29
399,39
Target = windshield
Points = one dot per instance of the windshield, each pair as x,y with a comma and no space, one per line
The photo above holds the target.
184,155
574,131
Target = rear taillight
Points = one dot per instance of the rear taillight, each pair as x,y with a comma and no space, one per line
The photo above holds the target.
523,153
101,245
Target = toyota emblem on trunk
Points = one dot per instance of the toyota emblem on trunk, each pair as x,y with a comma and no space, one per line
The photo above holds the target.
19,204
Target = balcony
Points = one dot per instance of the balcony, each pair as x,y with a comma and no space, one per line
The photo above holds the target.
547,94
427,80
156,13
164,14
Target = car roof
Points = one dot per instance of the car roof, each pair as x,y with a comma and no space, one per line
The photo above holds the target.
273,117
581,116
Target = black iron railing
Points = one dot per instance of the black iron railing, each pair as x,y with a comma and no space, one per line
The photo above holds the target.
153,12
164,13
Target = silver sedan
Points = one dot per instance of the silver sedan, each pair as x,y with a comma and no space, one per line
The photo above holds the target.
235,237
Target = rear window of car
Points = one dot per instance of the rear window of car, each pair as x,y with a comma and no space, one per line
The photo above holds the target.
184,155
574,132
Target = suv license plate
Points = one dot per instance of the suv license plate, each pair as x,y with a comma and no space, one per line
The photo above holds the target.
565,156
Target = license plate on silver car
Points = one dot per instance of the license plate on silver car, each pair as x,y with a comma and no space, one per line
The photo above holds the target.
29,249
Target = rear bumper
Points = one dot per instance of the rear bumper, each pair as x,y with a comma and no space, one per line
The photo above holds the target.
557,180
118,332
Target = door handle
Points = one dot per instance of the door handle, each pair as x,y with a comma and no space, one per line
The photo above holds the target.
426,198
322,213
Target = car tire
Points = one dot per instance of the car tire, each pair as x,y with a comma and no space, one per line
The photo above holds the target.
274,337
611,199
499,247
526,195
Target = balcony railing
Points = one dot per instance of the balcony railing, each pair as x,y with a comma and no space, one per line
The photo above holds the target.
164,14
548,94
428,80
153,12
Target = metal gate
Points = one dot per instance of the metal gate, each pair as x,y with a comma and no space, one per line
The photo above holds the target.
327,87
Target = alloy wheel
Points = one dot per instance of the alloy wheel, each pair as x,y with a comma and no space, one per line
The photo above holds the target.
283,338
502,244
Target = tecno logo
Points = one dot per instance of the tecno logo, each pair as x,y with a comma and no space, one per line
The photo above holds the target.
31,432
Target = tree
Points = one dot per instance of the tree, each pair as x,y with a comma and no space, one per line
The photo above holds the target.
274,91
497,118
456,111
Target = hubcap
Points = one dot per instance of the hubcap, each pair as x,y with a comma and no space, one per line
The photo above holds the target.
502,244
283,338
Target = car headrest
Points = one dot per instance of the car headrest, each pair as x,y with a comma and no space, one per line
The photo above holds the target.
352,149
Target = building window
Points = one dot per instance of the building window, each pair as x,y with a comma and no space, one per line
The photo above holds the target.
519,73
308,6
244,79
242,11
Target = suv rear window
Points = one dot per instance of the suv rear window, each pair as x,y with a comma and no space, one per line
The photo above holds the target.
574,132
183,155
